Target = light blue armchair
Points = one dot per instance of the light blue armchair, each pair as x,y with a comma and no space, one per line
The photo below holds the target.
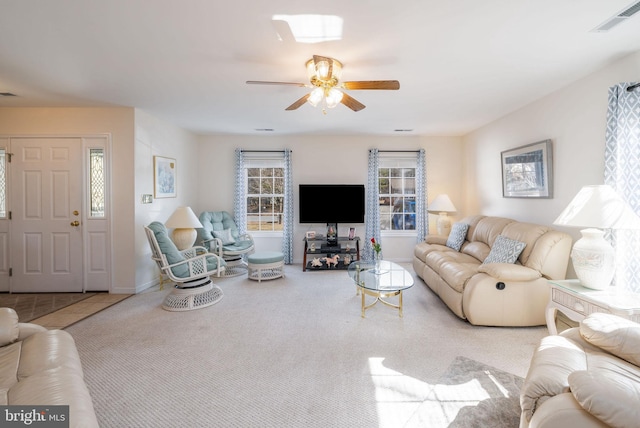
219,235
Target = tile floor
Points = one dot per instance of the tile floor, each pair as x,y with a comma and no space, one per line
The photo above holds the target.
78,311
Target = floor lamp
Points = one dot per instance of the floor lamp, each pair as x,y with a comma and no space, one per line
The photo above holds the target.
184,223
443,206
596,208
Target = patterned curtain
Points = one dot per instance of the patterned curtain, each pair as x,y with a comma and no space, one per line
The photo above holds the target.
422,220
287,233
622,157
239,199
372,208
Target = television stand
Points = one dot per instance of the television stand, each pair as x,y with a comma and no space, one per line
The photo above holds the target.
347,250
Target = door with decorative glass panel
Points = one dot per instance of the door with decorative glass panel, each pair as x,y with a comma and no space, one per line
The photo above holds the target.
59,238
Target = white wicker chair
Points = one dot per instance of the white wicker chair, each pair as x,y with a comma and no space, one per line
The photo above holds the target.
191,271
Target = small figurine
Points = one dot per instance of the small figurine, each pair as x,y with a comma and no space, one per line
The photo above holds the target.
312,247
332,260
316,262
347,248
347,259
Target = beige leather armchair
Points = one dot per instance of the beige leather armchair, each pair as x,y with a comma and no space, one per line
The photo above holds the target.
588,376
42,367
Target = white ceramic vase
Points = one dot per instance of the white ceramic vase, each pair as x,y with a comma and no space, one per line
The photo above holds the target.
593,259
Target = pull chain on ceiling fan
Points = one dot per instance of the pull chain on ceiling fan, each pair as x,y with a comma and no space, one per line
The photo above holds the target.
324,75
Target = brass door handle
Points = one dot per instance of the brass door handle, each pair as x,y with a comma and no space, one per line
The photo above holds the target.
75,223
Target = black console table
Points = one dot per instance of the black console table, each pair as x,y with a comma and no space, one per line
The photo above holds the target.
345,249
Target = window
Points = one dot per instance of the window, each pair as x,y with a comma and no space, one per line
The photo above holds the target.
265,194
397,191
96,183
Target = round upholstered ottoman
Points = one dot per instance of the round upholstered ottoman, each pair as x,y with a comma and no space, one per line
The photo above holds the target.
265,265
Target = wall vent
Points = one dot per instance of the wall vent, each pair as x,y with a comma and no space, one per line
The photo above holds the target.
618,18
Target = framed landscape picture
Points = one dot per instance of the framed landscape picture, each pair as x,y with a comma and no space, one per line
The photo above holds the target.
527,171
164,171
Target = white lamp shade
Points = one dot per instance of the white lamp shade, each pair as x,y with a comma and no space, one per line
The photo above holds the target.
441,204
183,222
598,206
183,218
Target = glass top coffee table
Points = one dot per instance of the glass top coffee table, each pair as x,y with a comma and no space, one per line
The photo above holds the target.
380,280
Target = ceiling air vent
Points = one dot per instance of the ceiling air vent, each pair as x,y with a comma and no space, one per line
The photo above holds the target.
7,94
618,18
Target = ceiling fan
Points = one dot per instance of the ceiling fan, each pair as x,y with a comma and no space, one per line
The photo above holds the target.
324,76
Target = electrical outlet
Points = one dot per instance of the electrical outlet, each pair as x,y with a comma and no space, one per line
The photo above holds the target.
147,199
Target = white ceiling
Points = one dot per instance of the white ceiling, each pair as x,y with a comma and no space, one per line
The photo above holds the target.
461,63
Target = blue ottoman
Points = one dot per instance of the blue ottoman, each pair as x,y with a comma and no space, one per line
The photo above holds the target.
265,265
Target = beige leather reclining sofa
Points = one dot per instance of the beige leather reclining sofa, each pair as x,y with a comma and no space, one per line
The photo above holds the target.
39,367
588,376
494,293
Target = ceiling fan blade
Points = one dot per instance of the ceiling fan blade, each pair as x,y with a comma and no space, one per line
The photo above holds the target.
352,103
372,84
298,103
261,82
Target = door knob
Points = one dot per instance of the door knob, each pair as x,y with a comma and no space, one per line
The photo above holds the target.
75,223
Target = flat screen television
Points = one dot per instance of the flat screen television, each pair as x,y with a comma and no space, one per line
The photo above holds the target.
331,203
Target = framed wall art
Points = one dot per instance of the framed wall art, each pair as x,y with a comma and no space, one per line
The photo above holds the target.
527,171
164,171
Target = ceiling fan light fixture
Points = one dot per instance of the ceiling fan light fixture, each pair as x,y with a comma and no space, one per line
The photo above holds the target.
324,75
323,72
333,97
316,96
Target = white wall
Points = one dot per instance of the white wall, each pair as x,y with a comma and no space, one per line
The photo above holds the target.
154,137
328,159
574,118
118,123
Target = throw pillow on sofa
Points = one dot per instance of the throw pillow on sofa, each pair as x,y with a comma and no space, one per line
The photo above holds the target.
457,236
505,250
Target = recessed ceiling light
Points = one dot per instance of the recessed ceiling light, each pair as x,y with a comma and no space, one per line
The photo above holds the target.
311,28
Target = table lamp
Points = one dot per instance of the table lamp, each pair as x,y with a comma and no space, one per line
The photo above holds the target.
183,222
443,206
595,208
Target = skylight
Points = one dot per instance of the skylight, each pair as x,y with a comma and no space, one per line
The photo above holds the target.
312,28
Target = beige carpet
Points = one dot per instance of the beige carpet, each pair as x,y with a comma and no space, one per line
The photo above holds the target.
294,352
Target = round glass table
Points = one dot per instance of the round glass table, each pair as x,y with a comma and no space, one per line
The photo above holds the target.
381,280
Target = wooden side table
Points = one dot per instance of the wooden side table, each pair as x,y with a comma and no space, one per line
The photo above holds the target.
576,302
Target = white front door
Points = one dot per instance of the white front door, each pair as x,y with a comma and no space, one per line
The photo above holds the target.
46,223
